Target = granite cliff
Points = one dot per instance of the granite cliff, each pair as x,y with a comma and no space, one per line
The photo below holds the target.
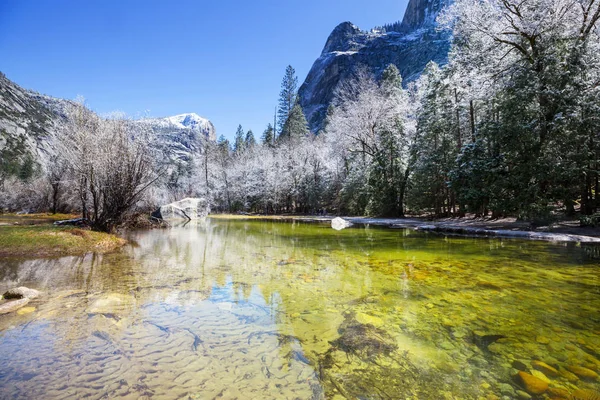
410,46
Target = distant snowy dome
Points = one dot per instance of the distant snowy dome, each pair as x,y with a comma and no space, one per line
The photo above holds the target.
190,121
182,122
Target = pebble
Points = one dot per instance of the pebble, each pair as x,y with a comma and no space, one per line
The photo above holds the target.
532,384
587,394
519,365
25,310
446,345
365,319
523,395
559,393
545,368
583,372
542,340
506,389
568,375
540,375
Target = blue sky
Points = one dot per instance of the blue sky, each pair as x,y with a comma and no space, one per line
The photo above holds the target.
223,60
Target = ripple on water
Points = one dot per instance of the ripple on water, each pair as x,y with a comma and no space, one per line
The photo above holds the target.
239,309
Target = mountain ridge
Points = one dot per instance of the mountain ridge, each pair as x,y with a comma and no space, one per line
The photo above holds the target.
29,120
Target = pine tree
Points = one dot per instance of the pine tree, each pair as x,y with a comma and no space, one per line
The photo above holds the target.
296,126
268,136
249,142
223,144
239,143
287,97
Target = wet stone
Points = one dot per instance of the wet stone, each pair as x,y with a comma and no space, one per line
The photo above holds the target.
506,389
519,365
545,368
21,293
542,339
532,384
523,395
540,375
583,373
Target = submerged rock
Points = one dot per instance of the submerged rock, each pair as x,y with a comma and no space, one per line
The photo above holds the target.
585,394
582,372
364,340
545,368
186,209
339,223
532,384
25,310
559,393
14,305
21,293
483,341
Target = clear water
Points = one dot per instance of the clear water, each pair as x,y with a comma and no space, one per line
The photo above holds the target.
270,310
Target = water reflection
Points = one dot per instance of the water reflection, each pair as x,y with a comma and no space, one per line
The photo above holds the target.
250,309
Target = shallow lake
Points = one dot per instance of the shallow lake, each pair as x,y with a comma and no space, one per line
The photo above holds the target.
279,310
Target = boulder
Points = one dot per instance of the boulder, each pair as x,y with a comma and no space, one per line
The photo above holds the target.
339,223
186,209
21,293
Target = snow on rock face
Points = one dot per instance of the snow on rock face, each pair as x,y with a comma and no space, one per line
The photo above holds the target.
29,120
181,135
349,48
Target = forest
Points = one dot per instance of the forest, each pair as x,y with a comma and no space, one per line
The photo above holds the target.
510,126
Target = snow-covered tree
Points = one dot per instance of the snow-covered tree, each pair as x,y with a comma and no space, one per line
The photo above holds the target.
369,119
112,162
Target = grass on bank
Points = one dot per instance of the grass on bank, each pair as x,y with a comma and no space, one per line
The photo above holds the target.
47,240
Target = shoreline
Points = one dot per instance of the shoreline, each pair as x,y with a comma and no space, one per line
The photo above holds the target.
466,227
36,237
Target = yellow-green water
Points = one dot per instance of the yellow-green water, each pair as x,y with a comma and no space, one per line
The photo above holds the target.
271,310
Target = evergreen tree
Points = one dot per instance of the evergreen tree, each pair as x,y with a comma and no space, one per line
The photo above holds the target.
249,141
268,136
240,141
287,97
223,144
435,144
296,126
387,177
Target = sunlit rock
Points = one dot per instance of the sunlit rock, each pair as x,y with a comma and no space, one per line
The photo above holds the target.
110,303
25,310
21,293
186,209
582,372
545,368
532,384
339,223
14,305
585,394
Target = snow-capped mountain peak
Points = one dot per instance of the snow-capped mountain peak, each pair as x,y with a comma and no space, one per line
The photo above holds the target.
182,122
189,121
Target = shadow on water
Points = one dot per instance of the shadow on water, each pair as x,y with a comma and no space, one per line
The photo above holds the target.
264,309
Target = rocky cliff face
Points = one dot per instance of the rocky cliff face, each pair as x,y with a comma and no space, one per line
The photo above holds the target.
29,120
415,44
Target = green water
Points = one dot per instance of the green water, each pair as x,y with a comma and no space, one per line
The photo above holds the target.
270,310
